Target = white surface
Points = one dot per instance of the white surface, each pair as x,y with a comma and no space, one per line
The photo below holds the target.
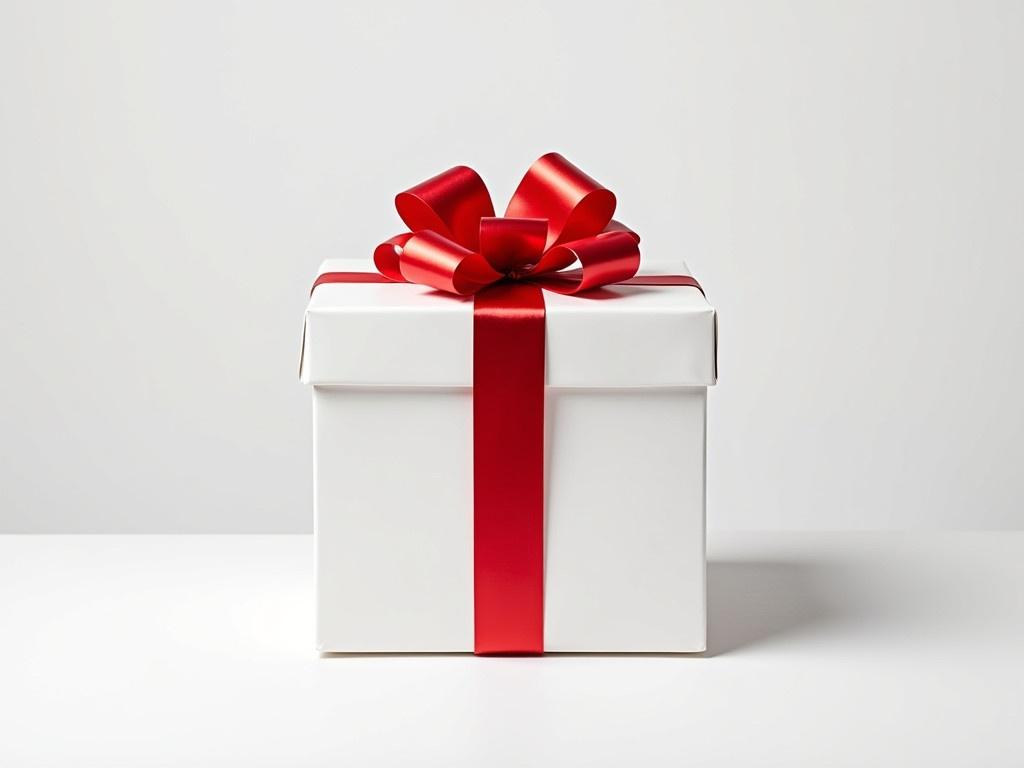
827,649
624,516
172,174
411,335
624,520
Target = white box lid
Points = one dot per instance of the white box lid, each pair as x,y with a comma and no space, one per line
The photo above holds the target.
401,334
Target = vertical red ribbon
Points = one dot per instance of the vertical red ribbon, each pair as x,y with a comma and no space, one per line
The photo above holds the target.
508,469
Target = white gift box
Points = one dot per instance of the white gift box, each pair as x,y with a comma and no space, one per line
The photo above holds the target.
625,416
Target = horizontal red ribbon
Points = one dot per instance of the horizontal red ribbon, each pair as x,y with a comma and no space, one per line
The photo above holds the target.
376,277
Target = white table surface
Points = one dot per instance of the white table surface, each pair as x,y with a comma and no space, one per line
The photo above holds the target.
826,649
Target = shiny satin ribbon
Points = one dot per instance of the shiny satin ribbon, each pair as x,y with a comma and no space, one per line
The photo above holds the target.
558,216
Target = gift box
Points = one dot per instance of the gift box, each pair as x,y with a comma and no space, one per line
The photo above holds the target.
506,468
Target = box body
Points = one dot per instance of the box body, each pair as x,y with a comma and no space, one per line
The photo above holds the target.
624,471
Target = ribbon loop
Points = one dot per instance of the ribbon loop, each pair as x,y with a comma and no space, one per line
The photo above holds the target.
606,259
451,204
434,260
575,205
388,255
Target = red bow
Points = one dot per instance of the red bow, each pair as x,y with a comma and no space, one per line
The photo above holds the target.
556,216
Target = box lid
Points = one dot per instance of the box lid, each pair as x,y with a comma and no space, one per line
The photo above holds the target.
401,334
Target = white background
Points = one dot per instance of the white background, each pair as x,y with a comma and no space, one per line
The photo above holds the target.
846,179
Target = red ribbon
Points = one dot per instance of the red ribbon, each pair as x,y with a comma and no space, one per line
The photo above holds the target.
557,216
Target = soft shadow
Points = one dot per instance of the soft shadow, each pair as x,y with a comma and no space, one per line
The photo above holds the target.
387,654
751,602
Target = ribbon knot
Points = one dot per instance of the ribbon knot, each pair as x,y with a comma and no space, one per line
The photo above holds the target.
558,216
